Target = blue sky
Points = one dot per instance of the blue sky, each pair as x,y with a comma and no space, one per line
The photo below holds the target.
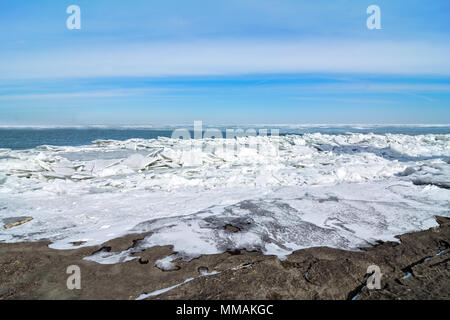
224,62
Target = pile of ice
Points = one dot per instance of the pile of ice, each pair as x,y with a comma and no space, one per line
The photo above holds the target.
283,193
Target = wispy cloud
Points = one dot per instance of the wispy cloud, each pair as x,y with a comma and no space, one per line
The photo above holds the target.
236,60
369,87
84,94
345,100
231,58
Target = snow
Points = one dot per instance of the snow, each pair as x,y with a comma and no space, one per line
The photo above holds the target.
284,193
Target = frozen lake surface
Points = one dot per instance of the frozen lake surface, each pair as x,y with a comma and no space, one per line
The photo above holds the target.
340,189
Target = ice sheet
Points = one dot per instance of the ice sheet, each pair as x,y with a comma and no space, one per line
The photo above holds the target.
282,193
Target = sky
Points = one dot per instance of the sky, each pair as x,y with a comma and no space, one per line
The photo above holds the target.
224,62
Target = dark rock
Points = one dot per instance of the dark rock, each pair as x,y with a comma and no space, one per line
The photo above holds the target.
15,221
231,228
34,271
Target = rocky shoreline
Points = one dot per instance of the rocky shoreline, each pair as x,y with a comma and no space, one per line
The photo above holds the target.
417,267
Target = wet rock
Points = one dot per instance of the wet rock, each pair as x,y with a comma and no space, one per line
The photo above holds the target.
78,243
126,242
15,221
231,228
34,271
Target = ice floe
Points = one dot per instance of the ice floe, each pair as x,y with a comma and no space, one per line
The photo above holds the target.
282,193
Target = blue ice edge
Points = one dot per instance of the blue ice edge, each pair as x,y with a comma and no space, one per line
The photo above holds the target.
161,291
158,292
409,274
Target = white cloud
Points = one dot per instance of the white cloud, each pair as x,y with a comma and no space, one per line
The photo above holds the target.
231,58
84,94
369,87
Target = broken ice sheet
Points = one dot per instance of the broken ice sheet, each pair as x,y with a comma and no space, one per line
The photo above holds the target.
343,191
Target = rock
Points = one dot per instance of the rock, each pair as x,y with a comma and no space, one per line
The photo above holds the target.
78,243
232,228
32,270
15,221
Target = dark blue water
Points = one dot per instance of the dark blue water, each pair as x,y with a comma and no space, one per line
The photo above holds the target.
31,138
15,138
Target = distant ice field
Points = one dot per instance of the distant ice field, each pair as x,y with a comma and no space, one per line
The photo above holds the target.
339,189
27,137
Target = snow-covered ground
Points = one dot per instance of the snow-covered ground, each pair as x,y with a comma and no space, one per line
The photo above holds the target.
284,193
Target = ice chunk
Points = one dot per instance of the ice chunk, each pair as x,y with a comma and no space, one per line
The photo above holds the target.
285,193
3,178
166,263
